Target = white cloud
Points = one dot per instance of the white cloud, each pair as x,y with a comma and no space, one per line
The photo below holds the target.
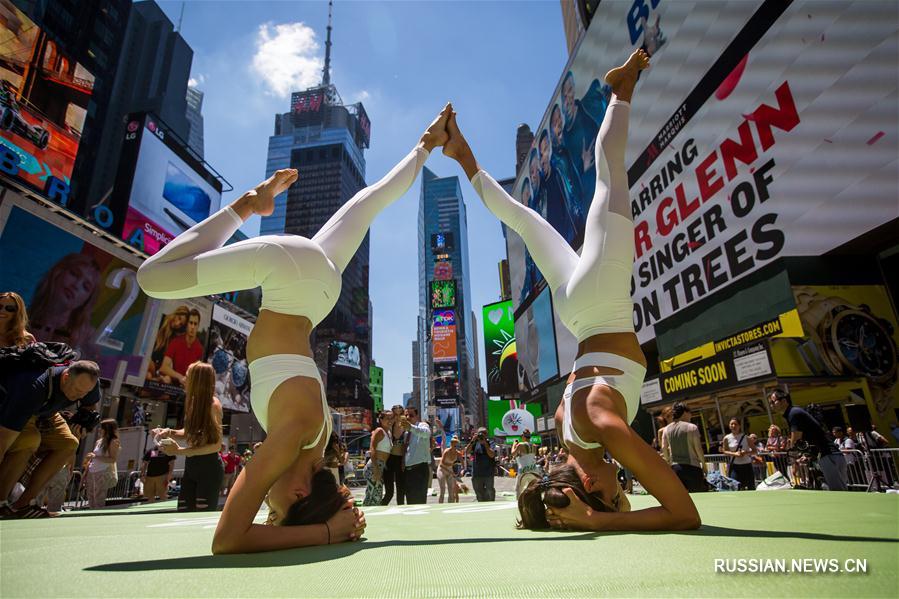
360,96
196,81
286,57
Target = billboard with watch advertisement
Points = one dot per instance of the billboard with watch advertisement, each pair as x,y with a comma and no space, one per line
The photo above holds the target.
736,156
44,96
850,331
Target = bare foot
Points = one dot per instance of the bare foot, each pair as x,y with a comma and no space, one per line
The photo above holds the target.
622,79
262,197
436,134
456,147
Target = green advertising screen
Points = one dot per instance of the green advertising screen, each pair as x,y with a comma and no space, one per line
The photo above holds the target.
499,349
510,418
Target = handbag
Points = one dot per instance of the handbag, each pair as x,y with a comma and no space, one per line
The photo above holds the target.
110,477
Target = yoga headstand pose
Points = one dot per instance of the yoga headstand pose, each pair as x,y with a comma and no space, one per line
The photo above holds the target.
591,293
300,280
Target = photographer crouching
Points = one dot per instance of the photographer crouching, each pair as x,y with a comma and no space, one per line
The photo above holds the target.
806,431
31,402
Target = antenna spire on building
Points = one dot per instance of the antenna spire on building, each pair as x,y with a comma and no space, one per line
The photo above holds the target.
180,18
326,72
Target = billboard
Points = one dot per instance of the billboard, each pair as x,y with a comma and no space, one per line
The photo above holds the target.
354,418
535,341
227,352
509,418
441,243
344,355
443,271
444,318
44,96
178,340
307,104
443,294
450,422
74,291
446,387
443,342
168,192
736,156
500,351
857,335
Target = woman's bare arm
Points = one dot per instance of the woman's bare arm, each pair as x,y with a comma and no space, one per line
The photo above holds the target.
677,510
236,531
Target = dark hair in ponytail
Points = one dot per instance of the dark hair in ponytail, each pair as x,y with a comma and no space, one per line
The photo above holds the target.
325,499
548,491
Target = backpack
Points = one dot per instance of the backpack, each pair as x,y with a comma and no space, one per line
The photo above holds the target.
37,356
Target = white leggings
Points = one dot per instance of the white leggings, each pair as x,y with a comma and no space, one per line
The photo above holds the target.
591,291
298,276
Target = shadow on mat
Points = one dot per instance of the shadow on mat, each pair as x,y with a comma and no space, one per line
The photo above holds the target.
291,557
148,511
721,531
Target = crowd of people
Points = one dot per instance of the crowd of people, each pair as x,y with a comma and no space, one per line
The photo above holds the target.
809,447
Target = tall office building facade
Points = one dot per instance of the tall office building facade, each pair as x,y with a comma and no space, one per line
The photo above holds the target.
195,120
325,141
446,330
61,59
154,68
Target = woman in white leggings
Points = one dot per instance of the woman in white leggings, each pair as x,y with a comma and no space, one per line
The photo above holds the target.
591,293
300,280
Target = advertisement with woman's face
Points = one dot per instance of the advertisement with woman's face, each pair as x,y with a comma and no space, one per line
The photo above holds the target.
75,292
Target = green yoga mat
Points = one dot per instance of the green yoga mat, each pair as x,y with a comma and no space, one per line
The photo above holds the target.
467,550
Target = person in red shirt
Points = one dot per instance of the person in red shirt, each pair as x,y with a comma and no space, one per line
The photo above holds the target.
183,350
232,461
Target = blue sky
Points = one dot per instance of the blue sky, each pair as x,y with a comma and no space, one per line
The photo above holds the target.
497,61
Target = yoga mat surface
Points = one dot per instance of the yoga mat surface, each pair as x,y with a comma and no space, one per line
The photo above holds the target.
465,550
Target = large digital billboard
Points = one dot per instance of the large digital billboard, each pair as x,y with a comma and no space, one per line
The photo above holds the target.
44,96
443,294
535,341
168,194
450,423
227,352
344,355
500,351
509,418
441,243
75,291
443,342
444,318
443,270
736,155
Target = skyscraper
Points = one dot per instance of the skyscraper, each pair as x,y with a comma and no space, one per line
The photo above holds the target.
60,59
325,140
152,77
446,331
195,120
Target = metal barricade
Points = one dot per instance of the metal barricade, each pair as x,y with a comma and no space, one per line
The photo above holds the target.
856,472
881,465
716,461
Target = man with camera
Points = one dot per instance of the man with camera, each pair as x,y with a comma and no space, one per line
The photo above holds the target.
31,404
484,465
808,433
